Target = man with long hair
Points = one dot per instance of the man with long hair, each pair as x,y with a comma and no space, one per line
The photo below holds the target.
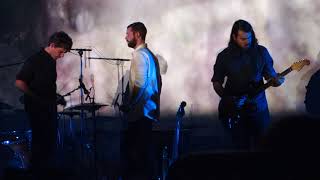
245,64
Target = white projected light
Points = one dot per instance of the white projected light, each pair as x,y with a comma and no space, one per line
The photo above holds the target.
187,36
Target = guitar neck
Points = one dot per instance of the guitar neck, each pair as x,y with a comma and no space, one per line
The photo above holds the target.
269,83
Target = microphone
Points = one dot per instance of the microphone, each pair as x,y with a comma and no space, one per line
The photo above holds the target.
81,49
88,96
181,111
116,101
183,104
83,87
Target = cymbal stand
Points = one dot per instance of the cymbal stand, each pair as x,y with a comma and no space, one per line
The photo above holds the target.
67,94
81,112
93,110
82,115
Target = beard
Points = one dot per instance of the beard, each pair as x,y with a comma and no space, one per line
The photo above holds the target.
132,43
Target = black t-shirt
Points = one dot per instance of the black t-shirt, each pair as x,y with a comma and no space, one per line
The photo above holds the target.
39,73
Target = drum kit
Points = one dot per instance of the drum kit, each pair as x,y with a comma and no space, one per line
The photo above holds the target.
90,107
16,143
88,143
68,115
19,144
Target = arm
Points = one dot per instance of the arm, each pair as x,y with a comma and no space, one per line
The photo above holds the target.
140,69
137,80
218,88
22,86
24,77
218,76
269,72
277,81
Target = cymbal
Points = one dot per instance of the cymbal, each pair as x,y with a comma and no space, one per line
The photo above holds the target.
69,113
87,106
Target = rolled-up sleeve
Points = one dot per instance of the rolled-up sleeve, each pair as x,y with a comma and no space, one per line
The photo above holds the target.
218,70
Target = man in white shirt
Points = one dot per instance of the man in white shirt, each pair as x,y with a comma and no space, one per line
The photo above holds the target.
142,103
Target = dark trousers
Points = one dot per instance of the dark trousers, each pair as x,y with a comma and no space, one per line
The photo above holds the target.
43,123
247,132
137,150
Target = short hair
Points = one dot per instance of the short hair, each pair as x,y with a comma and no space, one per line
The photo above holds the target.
243,26
61,39
139,27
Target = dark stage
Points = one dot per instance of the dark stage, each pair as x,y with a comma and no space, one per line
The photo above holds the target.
186,37
205,150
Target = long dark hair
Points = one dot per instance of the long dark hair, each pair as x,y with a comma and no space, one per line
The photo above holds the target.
243,26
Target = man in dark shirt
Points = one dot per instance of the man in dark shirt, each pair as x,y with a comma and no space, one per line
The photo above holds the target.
37,80
245,65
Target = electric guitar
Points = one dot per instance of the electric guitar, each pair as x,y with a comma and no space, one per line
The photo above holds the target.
231,108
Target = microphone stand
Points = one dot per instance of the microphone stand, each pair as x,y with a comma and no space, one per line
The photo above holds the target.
69,93
80,52
93,116
82,120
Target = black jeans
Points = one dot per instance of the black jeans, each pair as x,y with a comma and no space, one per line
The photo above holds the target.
137,150
248,131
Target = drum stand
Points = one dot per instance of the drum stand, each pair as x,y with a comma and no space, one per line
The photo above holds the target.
91,108
62,129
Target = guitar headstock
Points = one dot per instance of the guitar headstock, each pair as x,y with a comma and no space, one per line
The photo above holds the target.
300,64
